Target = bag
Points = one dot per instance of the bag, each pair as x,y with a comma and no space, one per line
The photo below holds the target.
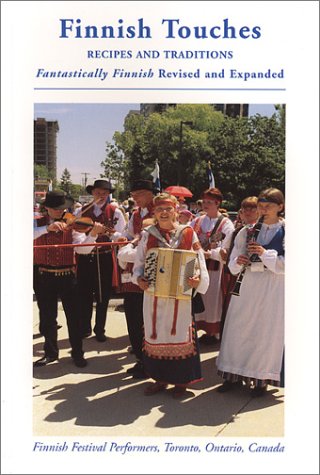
197,305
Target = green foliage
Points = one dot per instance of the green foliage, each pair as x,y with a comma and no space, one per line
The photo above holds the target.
65,181
41,171
247,154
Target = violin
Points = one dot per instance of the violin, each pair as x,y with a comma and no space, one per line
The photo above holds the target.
80,224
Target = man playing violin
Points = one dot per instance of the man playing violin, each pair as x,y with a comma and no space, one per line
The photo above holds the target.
54,276
95,270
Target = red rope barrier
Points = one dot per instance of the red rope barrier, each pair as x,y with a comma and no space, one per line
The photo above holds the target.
115,243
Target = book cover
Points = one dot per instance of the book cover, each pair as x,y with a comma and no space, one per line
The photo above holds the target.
92,59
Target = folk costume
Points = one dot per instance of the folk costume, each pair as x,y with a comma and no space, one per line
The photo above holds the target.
95,271
252,344
54,278
133,295
205,228
133,304
170,351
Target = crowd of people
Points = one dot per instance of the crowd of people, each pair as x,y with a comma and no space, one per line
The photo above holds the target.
226,279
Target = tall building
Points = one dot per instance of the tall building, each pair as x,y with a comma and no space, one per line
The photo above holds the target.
231,110
45,145
147,109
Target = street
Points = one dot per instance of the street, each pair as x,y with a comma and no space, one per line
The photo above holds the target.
102,399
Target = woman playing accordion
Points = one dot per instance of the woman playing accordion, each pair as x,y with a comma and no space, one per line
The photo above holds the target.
171,354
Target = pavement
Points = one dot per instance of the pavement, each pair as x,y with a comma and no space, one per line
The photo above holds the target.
103,400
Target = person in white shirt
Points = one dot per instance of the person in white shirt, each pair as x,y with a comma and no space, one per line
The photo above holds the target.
55,277
142,191
252,346
214,231
95,270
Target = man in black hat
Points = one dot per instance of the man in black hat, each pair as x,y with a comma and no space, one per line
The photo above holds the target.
95,270
142,191
54,276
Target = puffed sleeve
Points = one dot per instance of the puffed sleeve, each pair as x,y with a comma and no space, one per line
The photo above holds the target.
272,261
82,238
227,229
238,249
138,268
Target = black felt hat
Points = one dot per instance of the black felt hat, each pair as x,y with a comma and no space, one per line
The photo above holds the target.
142,185
57,200
104,184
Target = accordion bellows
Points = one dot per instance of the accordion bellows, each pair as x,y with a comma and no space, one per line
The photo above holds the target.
168,270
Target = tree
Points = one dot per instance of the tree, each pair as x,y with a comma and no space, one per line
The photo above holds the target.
40,171
65,181
247,154
114,167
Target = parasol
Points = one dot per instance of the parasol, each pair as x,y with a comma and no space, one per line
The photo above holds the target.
178,191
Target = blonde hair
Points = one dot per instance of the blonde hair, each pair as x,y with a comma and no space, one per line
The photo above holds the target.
147,222
165,196
251,201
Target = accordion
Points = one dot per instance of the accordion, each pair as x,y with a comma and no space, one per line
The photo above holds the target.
168,270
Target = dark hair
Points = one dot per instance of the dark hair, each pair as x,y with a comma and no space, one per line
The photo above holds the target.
213,193
273,195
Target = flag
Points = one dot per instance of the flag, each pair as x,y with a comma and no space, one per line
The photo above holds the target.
156,177
210,176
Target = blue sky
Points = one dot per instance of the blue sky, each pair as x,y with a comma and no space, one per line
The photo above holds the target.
85,128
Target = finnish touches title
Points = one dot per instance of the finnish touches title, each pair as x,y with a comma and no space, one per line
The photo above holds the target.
172,29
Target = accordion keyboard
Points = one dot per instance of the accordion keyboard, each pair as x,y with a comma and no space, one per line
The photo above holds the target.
168,270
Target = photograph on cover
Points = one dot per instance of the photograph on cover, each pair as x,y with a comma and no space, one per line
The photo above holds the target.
118,101
167,198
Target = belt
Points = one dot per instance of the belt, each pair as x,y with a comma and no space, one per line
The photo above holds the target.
101,251
57,271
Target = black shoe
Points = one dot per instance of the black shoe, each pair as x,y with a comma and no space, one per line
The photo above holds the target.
228,385
137,367
101,337
87,334
258,392
139,374
44,361
80,361
137,371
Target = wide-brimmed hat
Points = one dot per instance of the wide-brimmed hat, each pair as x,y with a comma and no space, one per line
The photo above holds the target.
57,200
104,184
142,185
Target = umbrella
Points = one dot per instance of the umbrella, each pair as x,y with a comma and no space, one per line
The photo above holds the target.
176,190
